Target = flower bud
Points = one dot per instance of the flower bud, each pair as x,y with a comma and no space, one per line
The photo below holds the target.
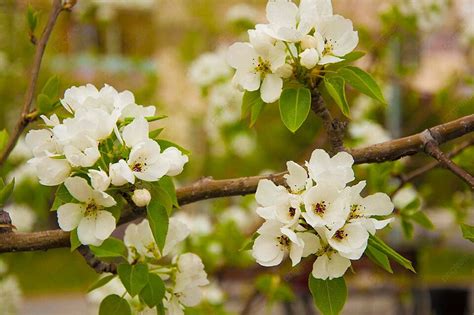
141,197
285,71
309,58
308,42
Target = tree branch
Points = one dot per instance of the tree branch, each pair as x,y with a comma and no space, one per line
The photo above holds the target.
25,116
208,188
406,178
334,128
98,265
432,148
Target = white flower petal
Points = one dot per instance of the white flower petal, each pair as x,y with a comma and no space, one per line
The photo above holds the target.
271,88
104,224
297,176
377,204
69,216
78,188
86,232
135,132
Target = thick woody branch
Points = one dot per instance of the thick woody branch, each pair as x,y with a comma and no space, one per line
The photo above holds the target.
98,265
26,116
208,188
432,148
334,128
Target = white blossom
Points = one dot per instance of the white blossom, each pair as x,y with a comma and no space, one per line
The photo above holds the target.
338,37
257,64
94,224
336,169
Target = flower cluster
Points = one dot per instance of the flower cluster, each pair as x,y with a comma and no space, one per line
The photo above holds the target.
184,277
297,41
318,214
101,149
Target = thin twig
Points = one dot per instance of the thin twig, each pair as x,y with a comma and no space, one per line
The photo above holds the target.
334,128
406,178
98,265
25,116
209,188
432,148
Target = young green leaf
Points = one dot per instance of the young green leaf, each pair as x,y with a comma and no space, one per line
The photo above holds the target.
155,133
62,196
422,219
328,295
124,272
3,139
249,243
44,103
133,277
6,191
164,144
250,100
362,81
295,104
32,18
378,258
467,232
336,87
74,240
348,59
114,305
384,248
158,218
101,282
167,184
255,112
51,88
154,292
111,247
408,229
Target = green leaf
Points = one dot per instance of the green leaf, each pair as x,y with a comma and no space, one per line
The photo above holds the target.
328,295
44,103
255,112
160,309
154,292
378,258
158,218
114,305
51,88
164,144
6,192
467,232
336,88
62,196
250,100
74,240
133,277
408,228
155,133
362,81
167,184
249,244
384,248
101,282
32,18
111,247
421,218
295,104
124,272
161,195
3,139
348,59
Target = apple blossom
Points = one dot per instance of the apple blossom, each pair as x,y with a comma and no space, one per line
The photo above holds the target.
336,169
257,64
94,224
